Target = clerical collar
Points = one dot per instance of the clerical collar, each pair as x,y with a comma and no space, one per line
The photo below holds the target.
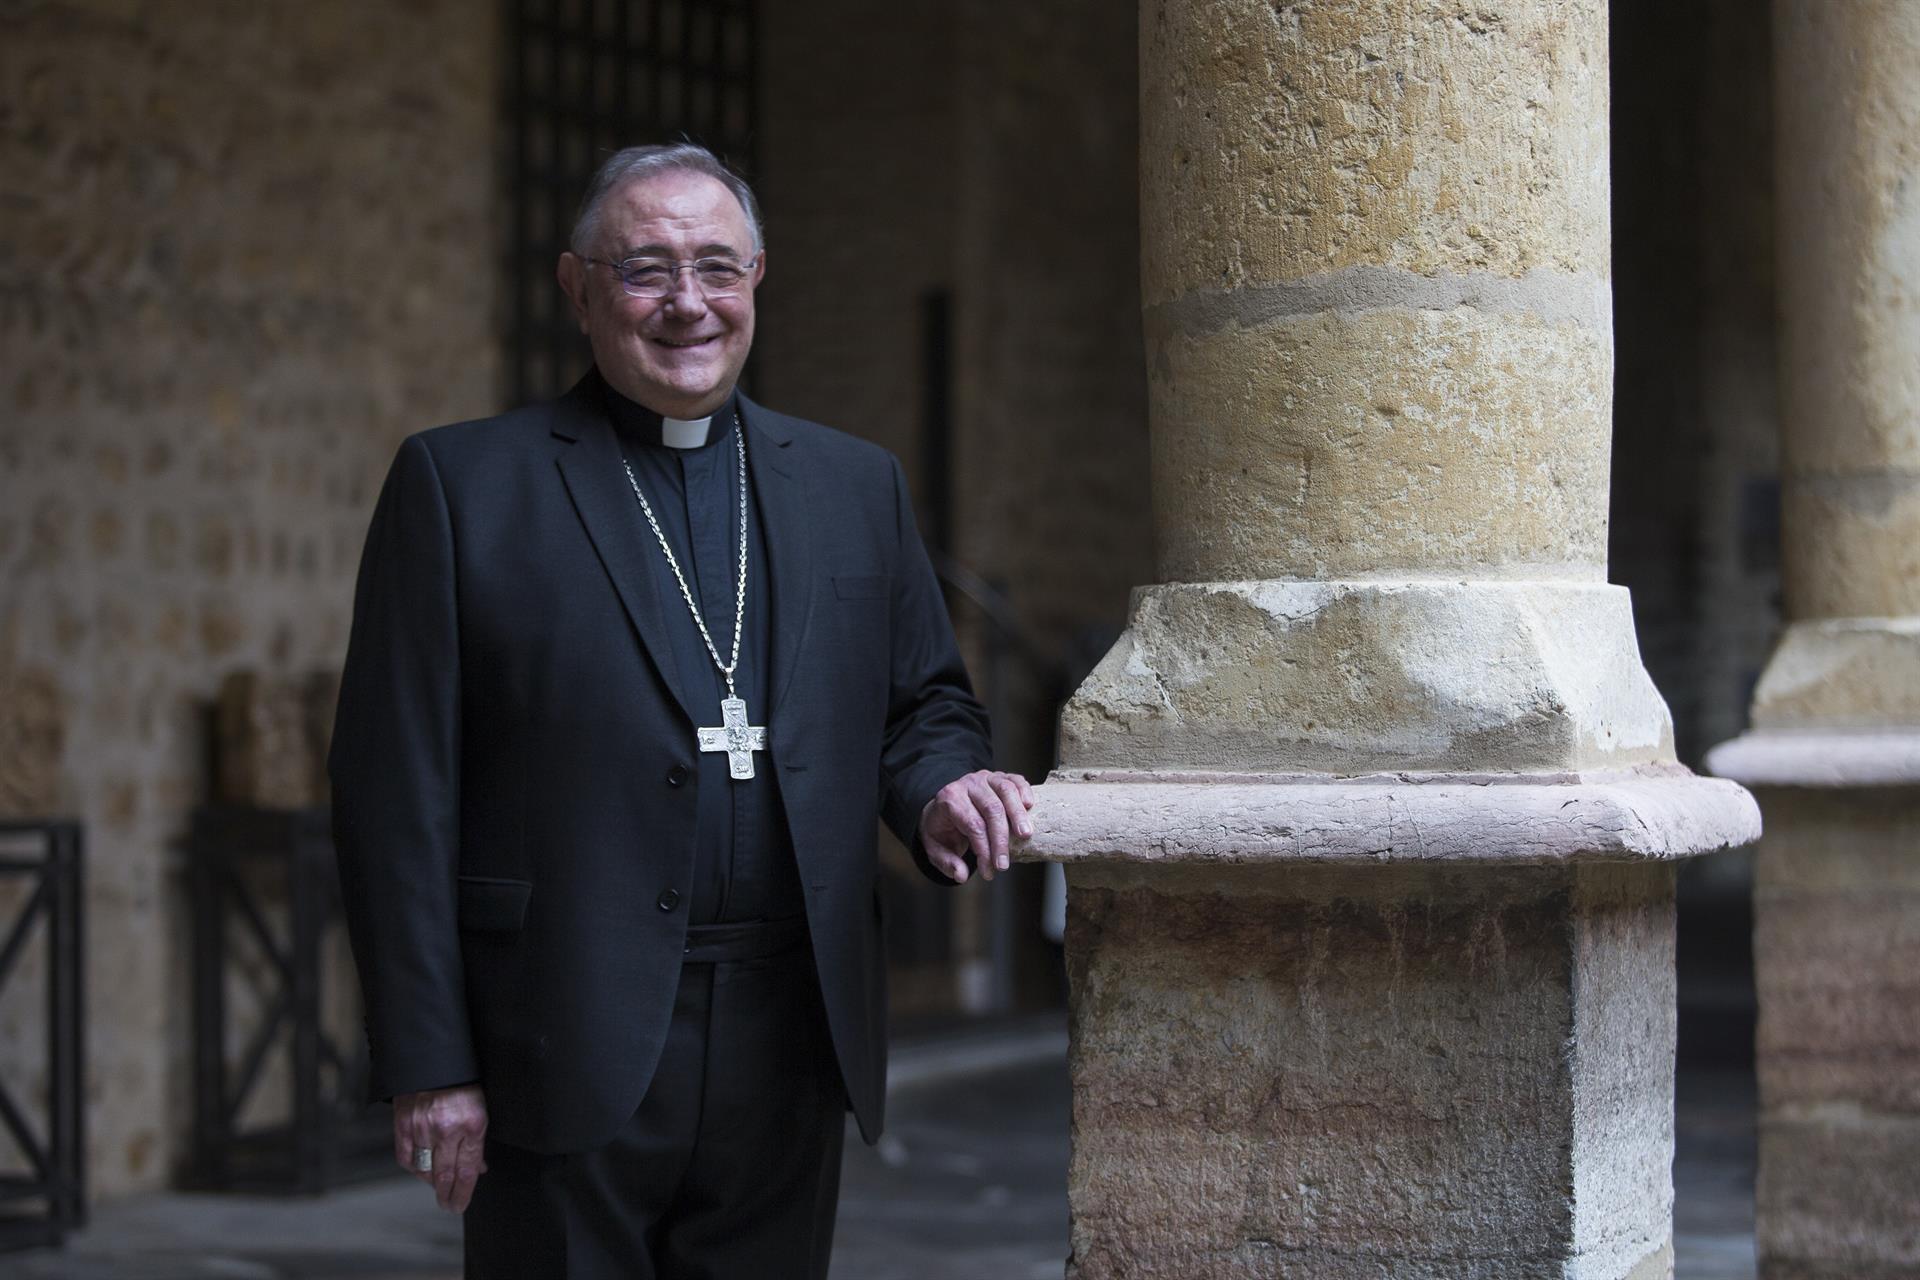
645,426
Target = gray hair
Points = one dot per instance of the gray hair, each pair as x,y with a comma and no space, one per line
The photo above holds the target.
631,163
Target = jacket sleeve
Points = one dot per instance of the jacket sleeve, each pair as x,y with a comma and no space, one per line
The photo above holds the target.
394,766
936,729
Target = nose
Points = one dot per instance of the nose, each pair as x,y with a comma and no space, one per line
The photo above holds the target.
686,302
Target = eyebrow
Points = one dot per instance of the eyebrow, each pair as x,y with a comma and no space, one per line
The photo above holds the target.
714,250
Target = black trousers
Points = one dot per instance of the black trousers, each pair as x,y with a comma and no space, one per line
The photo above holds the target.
729,1169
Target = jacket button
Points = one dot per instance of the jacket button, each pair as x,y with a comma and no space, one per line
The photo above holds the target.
676,775
668,899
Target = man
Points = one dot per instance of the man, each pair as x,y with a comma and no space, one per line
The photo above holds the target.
631,674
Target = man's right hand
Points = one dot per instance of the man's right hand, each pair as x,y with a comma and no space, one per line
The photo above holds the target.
453,1124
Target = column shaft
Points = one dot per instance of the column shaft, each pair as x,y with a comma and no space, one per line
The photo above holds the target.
1375,269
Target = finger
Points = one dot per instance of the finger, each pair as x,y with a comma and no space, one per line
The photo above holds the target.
1007,785
446,1164
966,819
936,839
410,1134
402,1138
468,1167
950,865
1026,790
944,856
987,801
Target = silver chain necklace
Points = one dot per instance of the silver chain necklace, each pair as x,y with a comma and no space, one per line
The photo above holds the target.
735,735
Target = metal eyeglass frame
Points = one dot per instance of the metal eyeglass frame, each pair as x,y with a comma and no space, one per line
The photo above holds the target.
675,267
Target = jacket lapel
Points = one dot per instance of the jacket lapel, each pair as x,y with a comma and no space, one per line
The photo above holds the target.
596,480
778,475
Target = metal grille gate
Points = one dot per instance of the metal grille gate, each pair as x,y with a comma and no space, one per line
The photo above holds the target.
587,77
41,1205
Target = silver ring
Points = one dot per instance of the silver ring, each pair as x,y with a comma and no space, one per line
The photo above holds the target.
423,1159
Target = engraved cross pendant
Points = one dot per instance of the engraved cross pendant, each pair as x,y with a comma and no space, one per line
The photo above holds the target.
735,737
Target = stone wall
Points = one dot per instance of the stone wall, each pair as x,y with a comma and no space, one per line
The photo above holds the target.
243,249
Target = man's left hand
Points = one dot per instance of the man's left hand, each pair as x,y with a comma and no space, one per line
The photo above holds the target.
975,813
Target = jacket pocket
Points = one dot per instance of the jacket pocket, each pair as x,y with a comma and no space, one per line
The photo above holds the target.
860,586
487,903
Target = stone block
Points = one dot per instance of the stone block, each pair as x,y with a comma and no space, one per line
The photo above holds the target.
1350,1072
33,730
1843,673
1837,968
1352,677
1284,141
265,743
1397,427
1838,1196
1837,950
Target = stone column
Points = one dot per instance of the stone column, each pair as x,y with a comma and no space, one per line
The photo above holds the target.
1834,751
1370,816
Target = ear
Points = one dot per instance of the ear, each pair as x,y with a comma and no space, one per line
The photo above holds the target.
572,274
760,269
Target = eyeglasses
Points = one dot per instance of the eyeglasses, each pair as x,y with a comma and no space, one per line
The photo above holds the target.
658,277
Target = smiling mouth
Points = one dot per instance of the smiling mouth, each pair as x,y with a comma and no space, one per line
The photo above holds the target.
693,342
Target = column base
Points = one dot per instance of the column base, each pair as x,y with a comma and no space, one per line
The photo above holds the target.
1344,1073
1837,968
1820,758
1842,673
1382,1026
1347,677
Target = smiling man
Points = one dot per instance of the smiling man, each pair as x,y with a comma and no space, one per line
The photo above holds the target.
631,675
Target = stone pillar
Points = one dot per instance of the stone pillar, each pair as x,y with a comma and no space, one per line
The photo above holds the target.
1834,751
1370,816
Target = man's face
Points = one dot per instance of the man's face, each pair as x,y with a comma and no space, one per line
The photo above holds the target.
679,355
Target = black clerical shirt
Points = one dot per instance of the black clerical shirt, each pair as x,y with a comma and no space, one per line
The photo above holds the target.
744,865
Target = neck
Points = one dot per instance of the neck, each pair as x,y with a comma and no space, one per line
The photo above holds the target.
682,410
642,422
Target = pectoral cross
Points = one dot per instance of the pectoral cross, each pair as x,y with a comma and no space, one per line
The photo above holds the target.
735,737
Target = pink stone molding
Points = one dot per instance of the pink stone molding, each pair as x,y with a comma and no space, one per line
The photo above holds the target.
1654,813
1820,758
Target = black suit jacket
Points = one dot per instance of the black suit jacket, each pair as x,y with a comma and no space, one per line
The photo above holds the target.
512,760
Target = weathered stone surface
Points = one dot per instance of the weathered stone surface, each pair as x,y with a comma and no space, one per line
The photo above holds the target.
1860,556
1352,677
32,735
1392,434
1285,140
1425,1072
1815,757
1385,1023
1842,673
1837,970
1177,822
246,248
1836,742
1848,108
1836,1197
1837,956
265,745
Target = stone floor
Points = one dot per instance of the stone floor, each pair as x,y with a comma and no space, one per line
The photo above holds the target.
970,1182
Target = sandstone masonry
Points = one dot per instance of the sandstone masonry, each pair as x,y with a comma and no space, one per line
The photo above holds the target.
1369,817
